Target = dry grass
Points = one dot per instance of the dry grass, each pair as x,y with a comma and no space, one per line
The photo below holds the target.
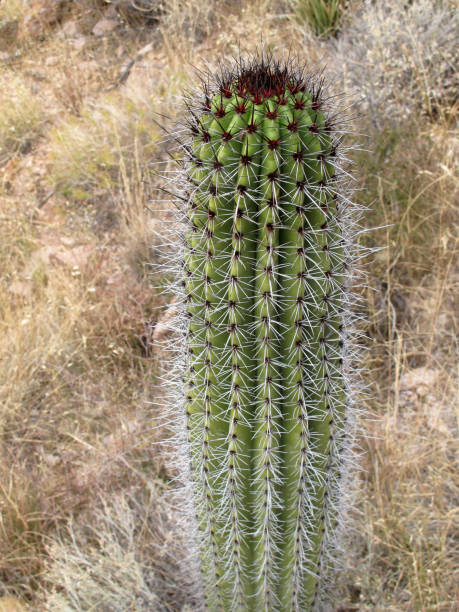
11,9
410,480
75,375
22,118
83,521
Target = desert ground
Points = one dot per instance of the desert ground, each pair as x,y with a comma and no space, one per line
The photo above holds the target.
86,91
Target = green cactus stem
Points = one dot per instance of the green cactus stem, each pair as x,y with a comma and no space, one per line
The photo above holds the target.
264,290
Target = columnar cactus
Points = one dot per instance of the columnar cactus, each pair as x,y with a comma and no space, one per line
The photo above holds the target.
265,309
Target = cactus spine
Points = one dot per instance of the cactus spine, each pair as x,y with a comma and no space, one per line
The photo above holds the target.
265,321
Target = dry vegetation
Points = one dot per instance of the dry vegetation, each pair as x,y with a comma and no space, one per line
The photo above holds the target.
83,520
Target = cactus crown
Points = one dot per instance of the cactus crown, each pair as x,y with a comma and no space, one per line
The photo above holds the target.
267,241
260,80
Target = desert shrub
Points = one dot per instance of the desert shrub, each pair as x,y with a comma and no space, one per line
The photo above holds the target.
126,559
401,58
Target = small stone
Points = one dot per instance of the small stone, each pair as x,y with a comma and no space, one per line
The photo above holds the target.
75,259
21,288
419,380
70,28
111,12
104,26
52,60
80,42
50,459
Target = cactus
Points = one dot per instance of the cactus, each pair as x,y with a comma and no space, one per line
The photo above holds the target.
266,322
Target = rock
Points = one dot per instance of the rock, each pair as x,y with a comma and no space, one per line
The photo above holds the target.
51,60
419,380
68,241
74,258
21,288
79,42
50,459
70,28
104,26
111,12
